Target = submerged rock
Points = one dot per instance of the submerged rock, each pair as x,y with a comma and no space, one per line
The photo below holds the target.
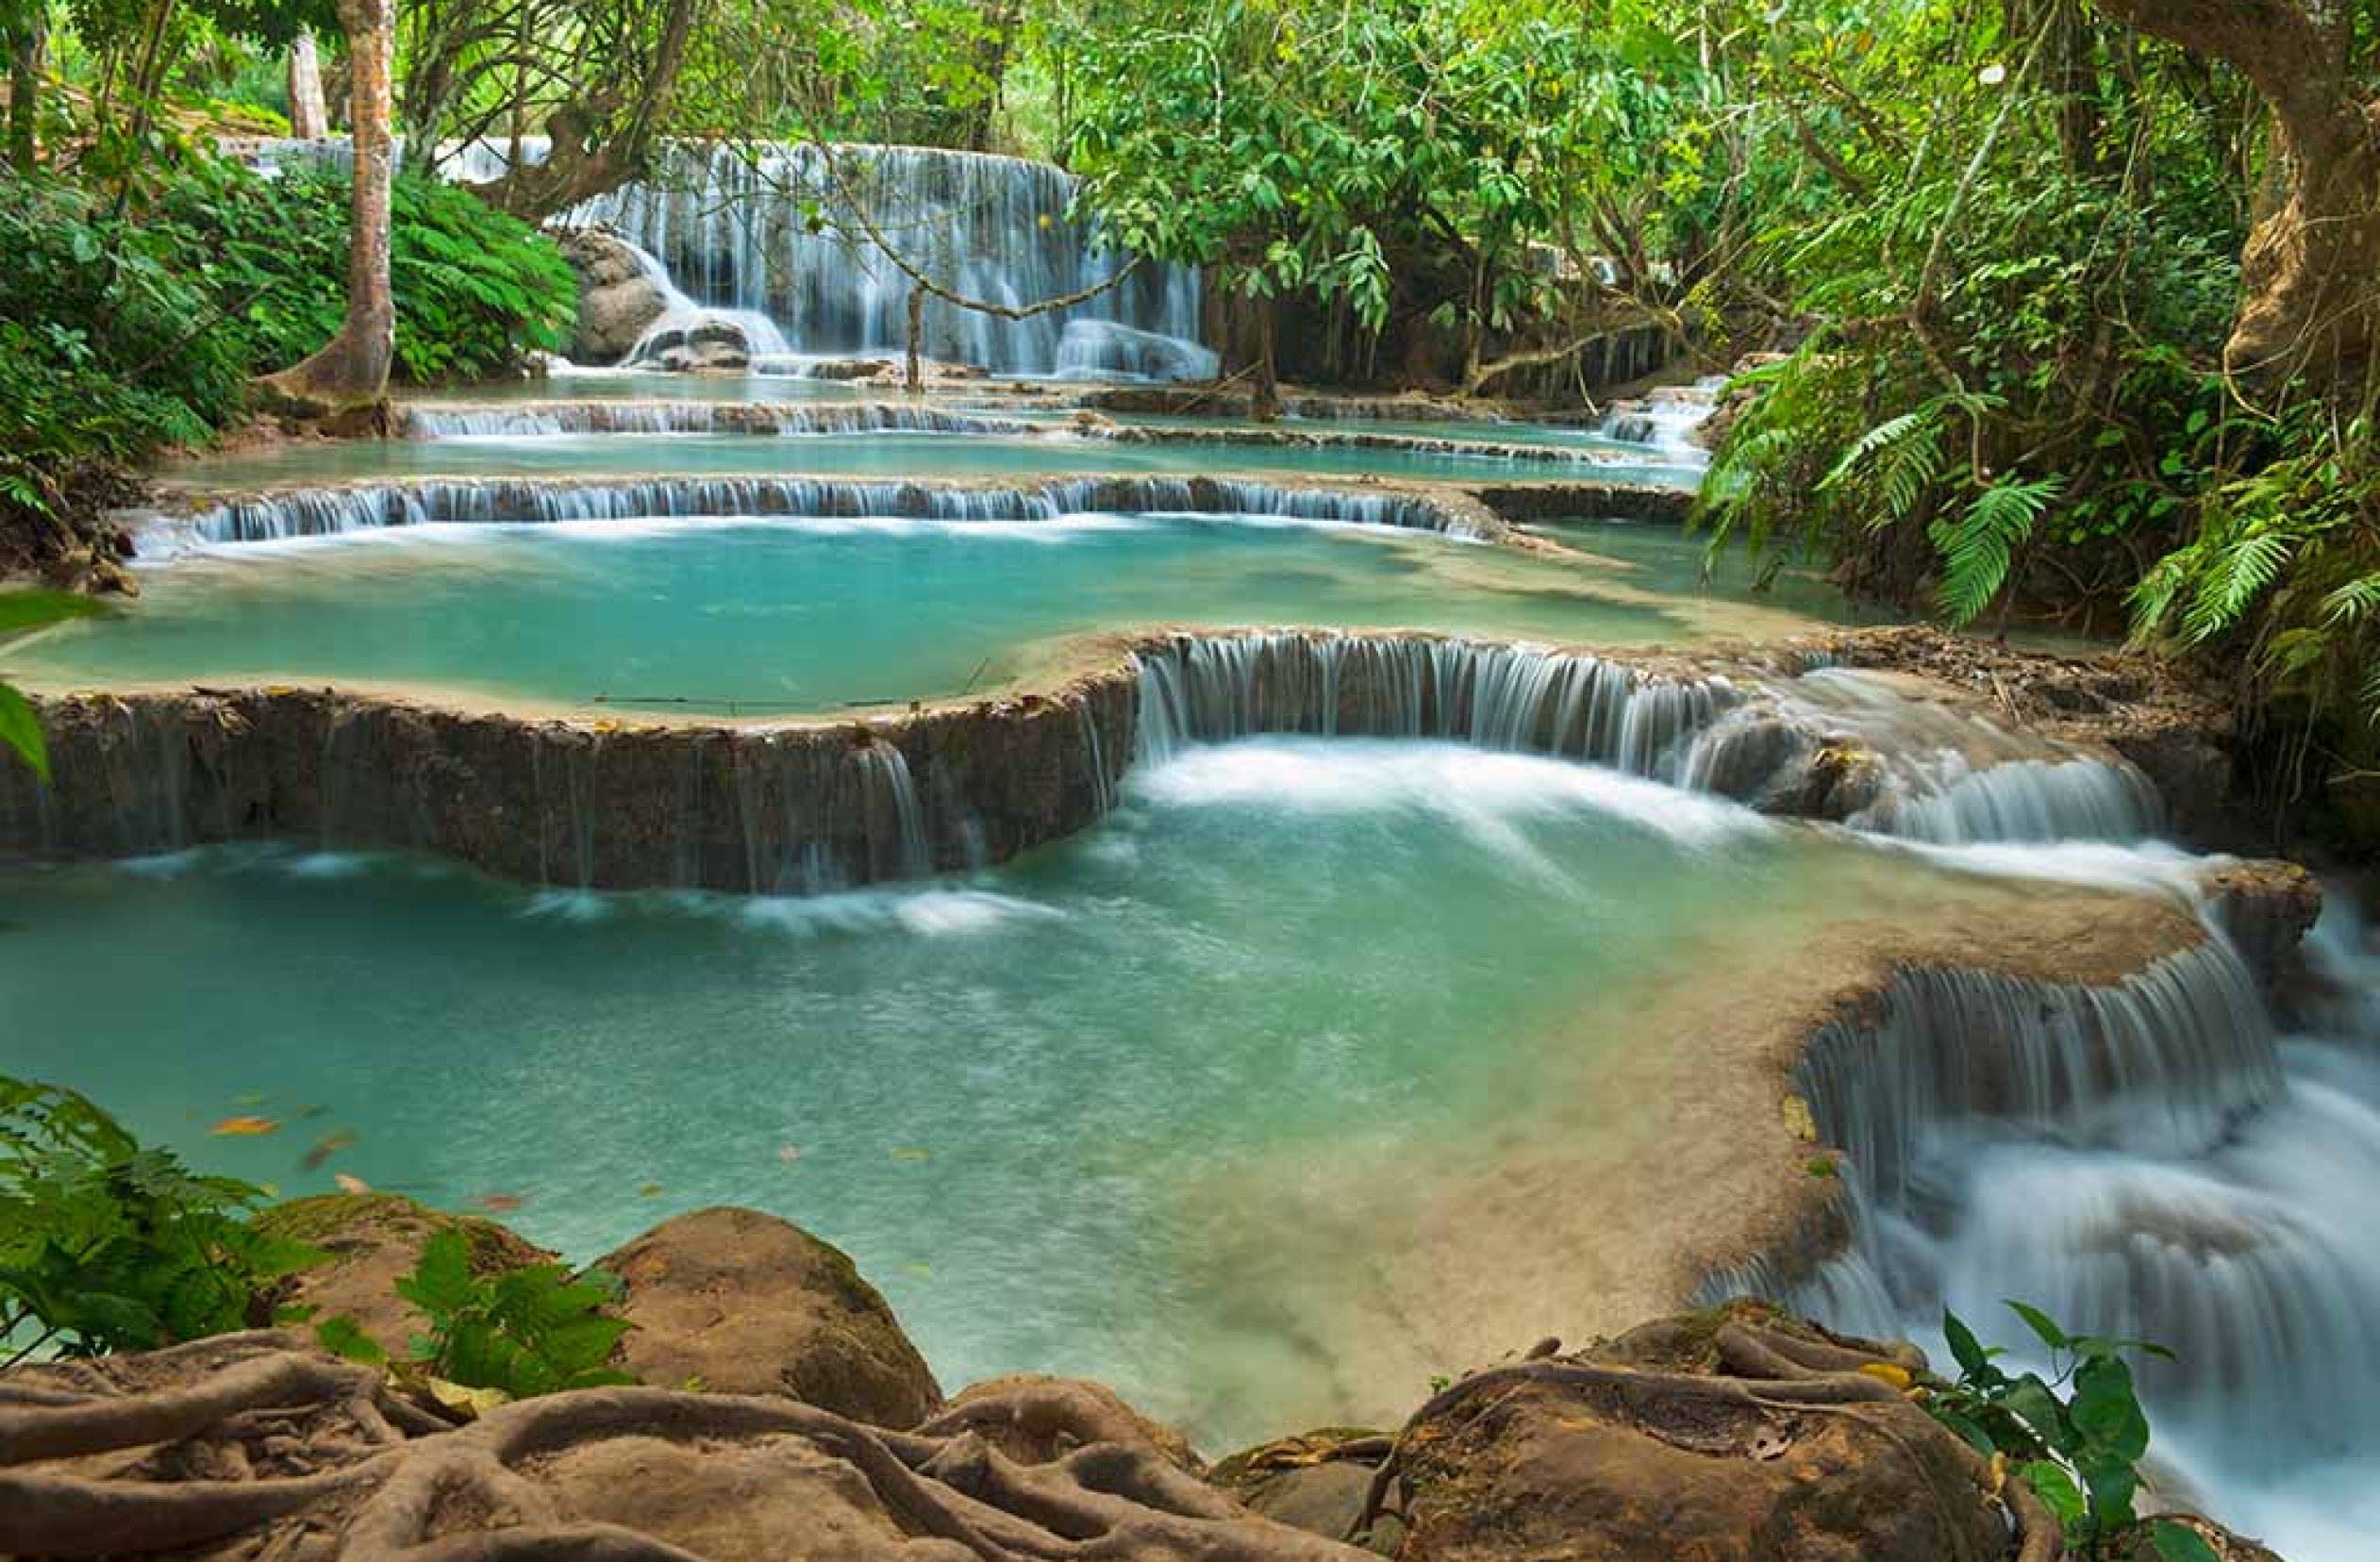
741,1303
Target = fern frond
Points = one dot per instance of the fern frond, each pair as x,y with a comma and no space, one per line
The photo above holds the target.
2235,577
1977,548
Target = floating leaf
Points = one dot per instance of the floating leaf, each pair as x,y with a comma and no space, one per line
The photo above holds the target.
245,1127
908,1153
328,1147
789,1154
650,1190
350,1184
501,1204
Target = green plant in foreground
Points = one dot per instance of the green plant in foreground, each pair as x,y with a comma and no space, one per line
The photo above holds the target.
522,1331
106,1244
2080,1450
21,611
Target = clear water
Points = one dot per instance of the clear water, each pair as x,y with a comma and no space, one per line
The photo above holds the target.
1679,565
874,455
798,615
1023,1103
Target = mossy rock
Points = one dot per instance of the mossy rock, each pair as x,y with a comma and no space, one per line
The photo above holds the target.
375,1240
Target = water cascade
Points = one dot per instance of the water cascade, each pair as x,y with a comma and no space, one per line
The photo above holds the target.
2148,1161
1215,689
326,511
695,417
772,231
1666,418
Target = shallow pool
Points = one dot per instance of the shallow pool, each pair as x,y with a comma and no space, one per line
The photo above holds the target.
1074,1115
771,616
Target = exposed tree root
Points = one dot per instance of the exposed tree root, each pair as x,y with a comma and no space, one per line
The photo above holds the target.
124,1458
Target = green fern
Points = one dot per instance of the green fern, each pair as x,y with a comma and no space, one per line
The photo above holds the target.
1978,547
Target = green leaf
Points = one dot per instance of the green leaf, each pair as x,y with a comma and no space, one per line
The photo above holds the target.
21,731
2106,1410
1965,1348
2038,1322
343,1337
23,610
2177,1543
2057,1489
441,1280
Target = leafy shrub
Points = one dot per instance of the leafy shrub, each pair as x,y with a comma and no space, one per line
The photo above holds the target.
105,347
522,1331
2080,1452
107,1244
475,289
20,731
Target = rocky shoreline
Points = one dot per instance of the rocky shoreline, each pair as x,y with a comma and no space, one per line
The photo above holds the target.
787,1417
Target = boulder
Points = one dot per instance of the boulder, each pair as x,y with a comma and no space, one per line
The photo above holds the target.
1735,1434
618,298
704,344
741,1303
375,1239
1317,1482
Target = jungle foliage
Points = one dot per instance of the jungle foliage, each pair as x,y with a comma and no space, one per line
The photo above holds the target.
107,1244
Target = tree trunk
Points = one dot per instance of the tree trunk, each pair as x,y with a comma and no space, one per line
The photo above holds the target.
309,117
26,42
1264,398
2310,271
354,369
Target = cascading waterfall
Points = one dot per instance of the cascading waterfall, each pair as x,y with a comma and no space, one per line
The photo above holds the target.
693,417
771,230
2022,800
1214,689
2148,1161
1667,419
364,506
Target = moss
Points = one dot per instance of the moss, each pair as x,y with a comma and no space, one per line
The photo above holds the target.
325,1217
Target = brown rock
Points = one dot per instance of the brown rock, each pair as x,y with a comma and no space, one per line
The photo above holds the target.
1607,1457
375,1239
617,298
743,1303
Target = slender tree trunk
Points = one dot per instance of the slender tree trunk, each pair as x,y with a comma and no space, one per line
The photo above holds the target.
25,45
2310,271
353,368
1264,400
309,116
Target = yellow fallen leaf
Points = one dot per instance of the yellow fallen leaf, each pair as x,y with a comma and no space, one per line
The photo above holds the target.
471,1404
650,1190
1885,1370
1798,1121
245,1127
912,1154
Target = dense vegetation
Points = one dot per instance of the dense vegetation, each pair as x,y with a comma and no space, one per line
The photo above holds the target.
2075,300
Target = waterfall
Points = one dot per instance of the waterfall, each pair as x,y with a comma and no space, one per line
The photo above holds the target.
1666,418
770,231
693,417
2026,800
363,507
764,235
1216,688
2148,1161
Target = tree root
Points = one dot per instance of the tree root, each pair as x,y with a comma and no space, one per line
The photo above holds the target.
396,1490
